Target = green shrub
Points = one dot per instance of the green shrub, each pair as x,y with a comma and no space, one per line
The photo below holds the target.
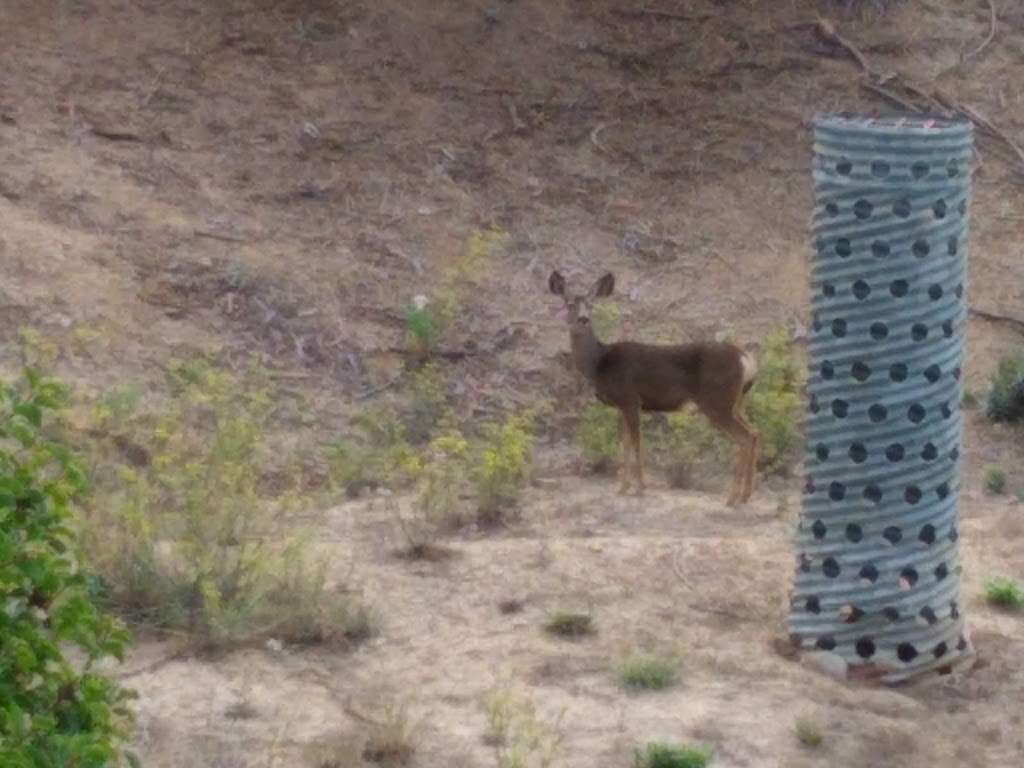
569,624
598,434
437,507
519,737
187,542
428,398
377,454
648,672
1006,396
606,317
686,445
52,713
773,403
1005,593
809,733
500,465
995,480
659,755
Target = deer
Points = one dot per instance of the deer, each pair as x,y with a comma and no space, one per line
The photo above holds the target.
634,377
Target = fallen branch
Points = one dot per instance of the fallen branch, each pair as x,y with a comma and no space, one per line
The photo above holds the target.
995,317
517,124
596,133
111,134
377,390
155,665
991,33
656,14
827,30
220,236
882,85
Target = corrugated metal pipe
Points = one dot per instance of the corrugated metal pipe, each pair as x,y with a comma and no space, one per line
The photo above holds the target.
878,569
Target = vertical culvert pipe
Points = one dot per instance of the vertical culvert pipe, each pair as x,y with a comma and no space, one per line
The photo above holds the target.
878,568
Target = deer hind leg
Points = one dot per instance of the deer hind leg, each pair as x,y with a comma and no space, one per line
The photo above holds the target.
753,445
746,454
745,438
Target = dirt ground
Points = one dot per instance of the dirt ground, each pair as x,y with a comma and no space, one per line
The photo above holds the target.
278,178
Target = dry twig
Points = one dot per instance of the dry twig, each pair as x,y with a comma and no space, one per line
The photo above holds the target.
991,32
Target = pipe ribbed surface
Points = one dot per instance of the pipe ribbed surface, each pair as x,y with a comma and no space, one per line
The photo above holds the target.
878,569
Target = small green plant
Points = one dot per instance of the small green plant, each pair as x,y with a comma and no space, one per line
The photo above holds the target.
648,672
1006,396
54,712
519,738
1005,593
606,317
809,733
995,481
969,400
423,326
773,402
660,755
569,625
500,465
390,739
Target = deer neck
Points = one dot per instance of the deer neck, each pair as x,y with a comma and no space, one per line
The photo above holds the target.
586,351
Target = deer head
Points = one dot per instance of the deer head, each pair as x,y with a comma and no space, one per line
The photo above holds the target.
578,306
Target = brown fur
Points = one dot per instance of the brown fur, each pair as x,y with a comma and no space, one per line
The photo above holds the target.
635,377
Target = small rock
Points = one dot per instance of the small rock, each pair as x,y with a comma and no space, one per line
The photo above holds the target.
274,645
826,662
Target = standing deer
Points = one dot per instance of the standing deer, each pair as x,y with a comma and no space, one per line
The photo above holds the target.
636,377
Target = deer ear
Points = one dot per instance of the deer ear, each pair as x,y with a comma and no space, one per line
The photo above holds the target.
556,283
604,286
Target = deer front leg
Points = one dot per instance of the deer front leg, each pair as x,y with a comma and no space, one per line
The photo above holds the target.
631,417
624,470
638,464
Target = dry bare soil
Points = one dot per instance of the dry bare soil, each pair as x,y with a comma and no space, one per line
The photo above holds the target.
278,179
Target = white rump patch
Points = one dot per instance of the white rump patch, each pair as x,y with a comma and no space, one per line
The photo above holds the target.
749,367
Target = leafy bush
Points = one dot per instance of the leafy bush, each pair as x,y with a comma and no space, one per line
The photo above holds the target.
569,624
598,434
659,755
500,465
995,481
773,403
686,444
437,507
428,392
1005,593
1006,396
377,454
52,714
186,541
648,672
